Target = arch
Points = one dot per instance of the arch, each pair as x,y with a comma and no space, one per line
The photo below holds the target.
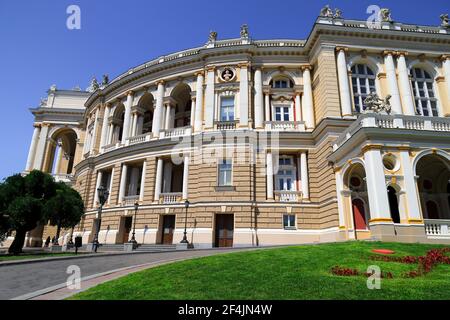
61,153
433,175
369,61
146,101
281,74
393,203
428,66
181,114
423,153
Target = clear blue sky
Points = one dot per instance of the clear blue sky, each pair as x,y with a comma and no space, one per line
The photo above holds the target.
37,50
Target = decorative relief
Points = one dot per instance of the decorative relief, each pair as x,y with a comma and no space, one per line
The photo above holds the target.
227,74
373,103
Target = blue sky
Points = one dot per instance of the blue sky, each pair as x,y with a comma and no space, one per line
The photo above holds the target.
37,50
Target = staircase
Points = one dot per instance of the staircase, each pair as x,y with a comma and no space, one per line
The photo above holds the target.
156,247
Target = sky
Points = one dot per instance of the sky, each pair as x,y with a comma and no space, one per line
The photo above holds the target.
38,50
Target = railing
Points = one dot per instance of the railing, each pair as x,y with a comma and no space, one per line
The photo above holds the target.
226,125
140,138
171,197
438,228
285,125
375,120
287,196
175,132
111,146
130,200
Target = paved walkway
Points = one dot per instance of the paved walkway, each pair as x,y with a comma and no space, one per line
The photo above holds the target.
40,279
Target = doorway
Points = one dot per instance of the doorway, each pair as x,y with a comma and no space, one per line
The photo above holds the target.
224,230
393,204
168,227
125,225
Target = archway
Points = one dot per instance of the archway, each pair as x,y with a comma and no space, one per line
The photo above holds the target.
61,152
393,204
181,114
117,124
145,117
355,183
433,171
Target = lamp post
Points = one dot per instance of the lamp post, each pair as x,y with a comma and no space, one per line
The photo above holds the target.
185,240
133,237
102,197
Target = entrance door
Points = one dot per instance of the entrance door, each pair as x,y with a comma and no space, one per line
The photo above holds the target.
359,215
224,230
168,228
127,229
393,204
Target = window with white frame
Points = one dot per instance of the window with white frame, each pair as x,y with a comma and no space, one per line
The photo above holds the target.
225,172
289,221
282,113
227,108
363,82
422,85
281,83
286,175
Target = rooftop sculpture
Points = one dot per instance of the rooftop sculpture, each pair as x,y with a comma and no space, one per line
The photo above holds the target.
373,103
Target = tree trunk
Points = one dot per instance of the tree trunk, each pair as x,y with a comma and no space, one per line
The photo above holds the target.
58,231
18,242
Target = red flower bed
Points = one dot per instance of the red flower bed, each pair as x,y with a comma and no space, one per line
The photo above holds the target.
425,264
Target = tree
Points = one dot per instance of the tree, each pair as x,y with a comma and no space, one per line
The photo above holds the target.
65,209
22,200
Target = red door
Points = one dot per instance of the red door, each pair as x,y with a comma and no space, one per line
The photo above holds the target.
224,230
359,216
168,228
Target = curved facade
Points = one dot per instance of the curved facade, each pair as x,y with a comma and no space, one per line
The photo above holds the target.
270,141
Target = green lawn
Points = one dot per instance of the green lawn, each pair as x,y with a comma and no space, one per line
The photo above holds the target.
301,272
33,256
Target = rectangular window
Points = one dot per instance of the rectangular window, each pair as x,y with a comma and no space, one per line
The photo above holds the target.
225,172
289,221
227,109
282,113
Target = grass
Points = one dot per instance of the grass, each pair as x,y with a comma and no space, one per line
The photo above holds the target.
301,272
33,256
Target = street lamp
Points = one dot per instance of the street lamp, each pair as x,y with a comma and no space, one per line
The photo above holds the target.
102,197
133,238
185,240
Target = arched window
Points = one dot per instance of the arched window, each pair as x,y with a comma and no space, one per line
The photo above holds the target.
422,85
363,82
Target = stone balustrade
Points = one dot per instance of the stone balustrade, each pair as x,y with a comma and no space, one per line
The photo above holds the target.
171,197
288,196
225,125
437,228
130,200
285,125
176,132
139,138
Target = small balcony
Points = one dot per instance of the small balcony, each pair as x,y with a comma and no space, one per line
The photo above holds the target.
285,126
288,196
111,146
176,132
171,197
130,200
437,229
225,125
139,139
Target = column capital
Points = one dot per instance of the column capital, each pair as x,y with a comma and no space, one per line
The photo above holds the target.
130,93
306,67
388,52
199,73
162,82
210,68
444,57
244,65
369,147
340,48
36,125
401,53
169,101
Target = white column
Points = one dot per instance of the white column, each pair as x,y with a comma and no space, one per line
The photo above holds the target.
304,175
209,99
97,185
192,124
339,188
157,116
58,158
269,172
139,124
133,131
412,194
404,83
167,177
144,173
446,67
243,96
298,111
344,86
307,103
158,182
267,106
94,132
134,178
104,134
110,133
259,99
127,117
123,183
392,83
111,185
39,159
32,150
199,103
186,177
376,185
